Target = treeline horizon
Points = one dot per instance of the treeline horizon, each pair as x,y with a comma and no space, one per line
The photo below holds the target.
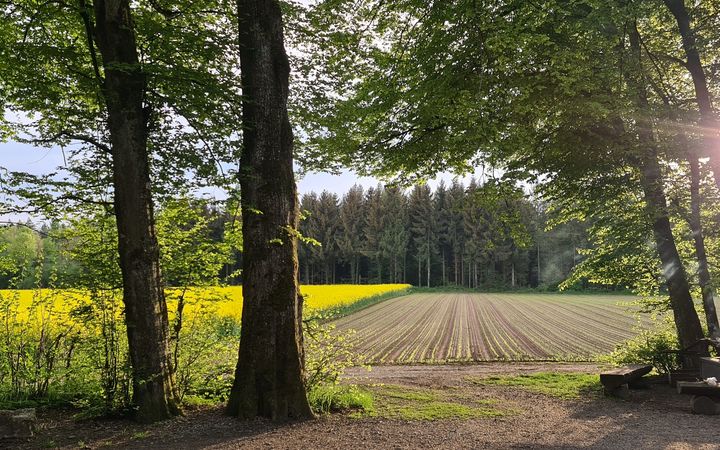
479,236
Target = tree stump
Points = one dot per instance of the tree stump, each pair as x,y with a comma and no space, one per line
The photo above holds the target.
622,391
702,404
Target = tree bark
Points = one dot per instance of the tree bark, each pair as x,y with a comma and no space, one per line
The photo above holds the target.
708,294
708,118
419,271
428,261
538,263
269,378
455,261
154,395
512,274
686,319
444,280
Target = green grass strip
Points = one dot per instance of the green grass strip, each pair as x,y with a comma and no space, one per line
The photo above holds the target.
560,385
346,310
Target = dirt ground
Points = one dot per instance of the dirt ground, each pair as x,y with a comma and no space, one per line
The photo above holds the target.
656,418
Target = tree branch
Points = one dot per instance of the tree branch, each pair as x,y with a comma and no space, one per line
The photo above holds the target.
87,21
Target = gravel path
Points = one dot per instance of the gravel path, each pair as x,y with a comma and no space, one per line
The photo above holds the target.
653,419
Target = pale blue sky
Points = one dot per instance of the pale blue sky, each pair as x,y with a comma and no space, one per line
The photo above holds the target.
36,160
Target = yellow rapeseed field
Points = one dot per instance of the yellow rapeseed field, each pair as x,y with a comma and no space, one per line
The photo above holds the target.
317,297
223,301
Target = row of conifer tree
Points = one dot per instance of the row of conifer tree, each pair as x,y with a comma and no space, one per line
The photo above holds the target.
481,235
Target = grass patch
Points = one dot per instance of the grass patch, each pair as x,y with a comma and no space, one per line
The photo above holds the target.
410,403
561,385
414,395
329,398
197,401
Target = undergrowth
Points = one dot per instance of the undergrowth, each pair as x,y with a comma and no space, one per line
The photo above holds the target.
327,398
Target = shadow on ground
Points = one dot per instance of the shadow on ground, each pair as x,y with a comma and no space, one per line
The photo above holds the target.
657,418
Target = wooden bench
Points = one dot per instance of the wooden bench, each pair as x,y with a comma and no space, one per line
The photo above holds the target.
689,358
677,375
706,398
617,382
709,367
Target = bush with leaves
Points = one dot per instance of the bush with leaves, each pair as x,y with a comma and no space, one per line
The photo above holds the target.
38,346
653,345
327,352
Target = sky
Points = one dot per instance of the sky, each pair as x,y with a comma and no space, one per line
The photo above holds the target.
38,161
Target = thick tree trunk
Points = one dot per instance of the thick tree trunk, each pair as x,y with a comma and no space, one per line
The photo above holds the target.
687,322
708,294
708,118
154,395
686,319
269,378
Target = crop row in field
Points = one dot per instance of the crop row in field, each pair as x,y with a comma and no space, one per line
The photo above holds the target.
489,327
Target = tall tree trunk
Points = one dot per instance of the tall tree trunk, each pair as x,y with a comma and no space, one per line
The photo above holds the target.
708,294
475,275
686,319
444,279
455,261
419,272
711,141
404,267
379,268
538,263
154,395
269,378
708,118
428,261
353,270
395,268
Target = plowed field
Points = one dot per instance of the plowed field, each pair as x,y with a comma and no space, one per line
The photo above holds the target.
490,327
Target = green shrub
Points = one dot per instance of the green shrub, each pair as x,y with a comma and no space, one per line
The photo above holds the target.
326,398
327,352
649,347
